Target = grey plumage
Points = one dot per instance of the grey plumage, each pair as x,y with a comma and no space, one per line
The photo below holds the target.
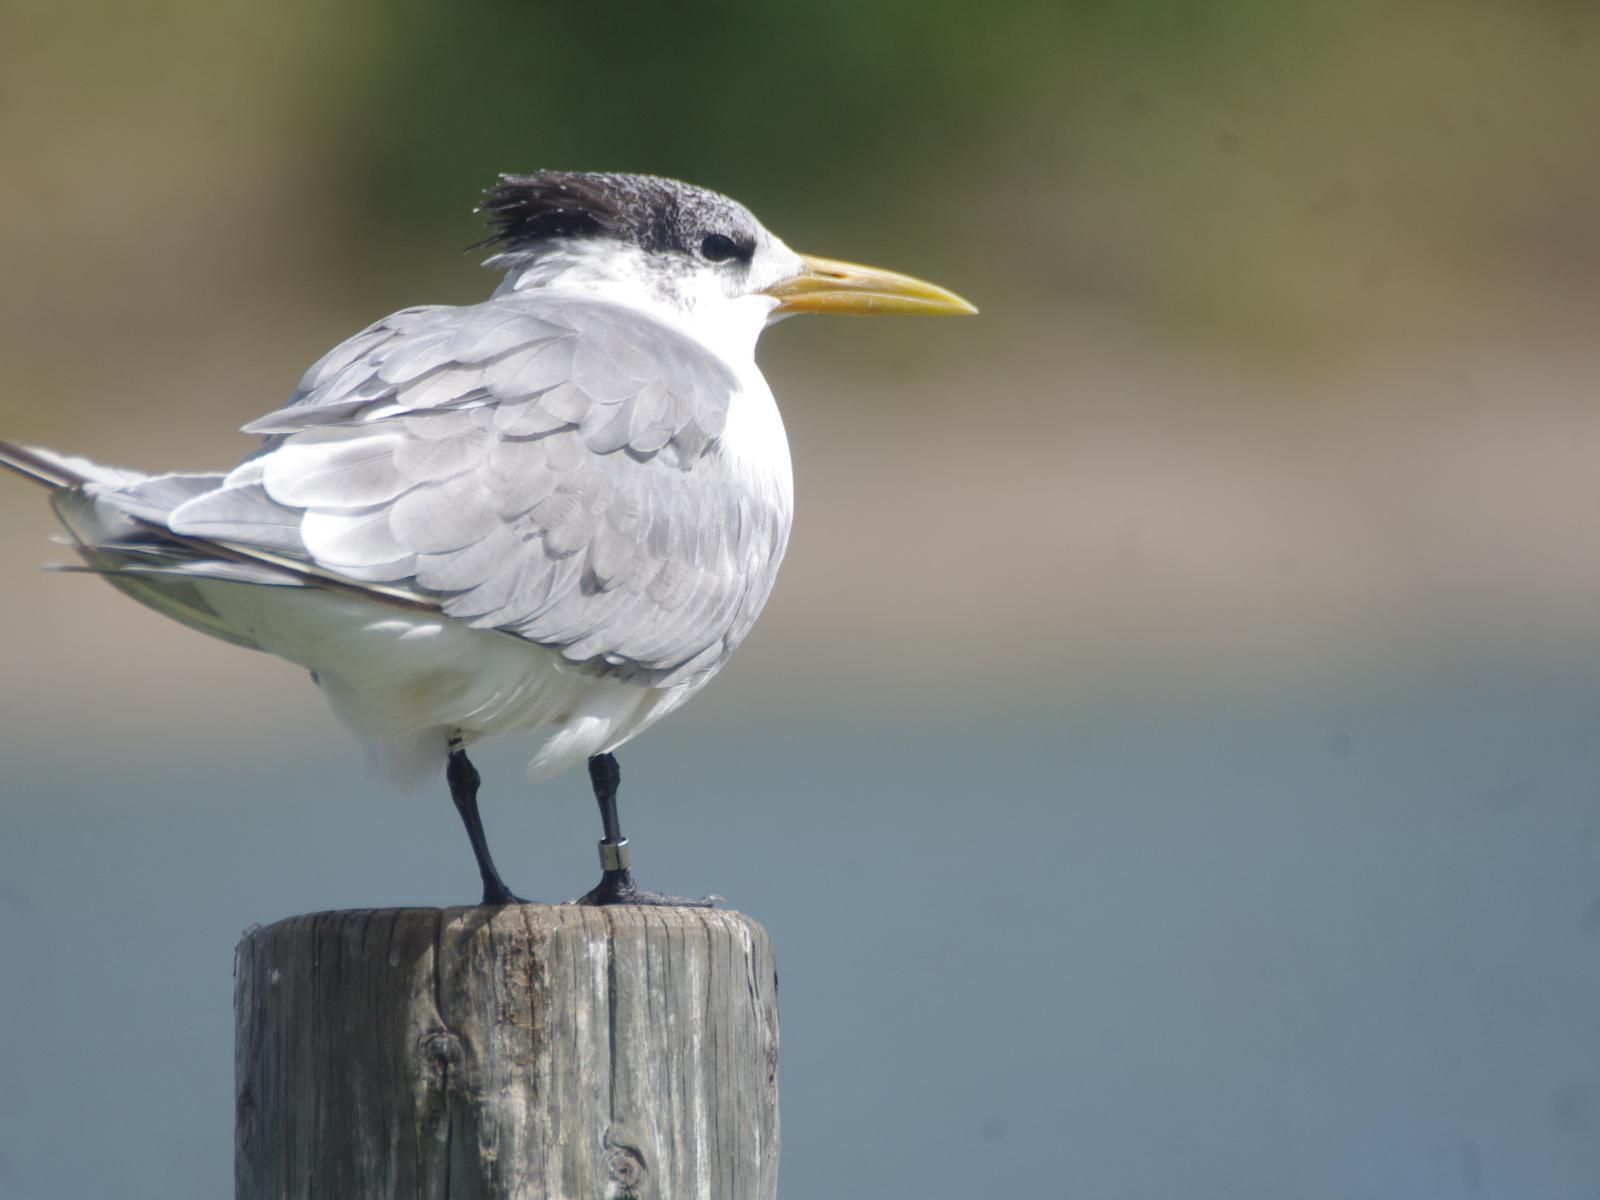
547,468
556,512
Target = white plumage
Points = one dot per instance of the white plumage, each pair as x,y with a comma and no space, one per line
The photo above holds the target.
556,512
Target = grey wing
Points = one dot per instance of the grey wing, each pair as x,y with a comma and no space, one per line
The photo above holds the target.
552,470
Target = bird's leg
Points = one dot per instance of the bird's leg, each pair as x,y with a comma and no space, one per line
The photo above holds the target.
463,779
616,878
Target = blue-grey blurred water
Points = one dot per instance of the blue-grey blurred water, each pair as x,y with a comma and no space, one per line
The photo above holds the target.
1315,946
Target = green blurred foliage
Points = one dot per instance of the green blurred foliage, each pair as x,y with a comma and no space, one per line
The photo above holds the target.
1268,166
757,96
805,108
1214,158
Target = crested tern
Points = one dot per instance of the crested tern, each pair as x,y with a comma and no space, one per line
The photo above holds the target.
556,512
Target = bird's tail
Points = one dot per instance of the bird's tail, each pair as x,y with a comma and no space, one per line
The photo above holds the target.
57,471
42,466
117,529
73,482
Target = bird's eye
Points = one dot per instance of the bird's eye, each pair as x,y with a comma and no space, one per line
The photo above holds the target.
719,247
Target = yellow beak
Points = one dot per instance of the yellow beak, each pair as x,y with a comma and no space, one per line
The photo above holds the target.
827,285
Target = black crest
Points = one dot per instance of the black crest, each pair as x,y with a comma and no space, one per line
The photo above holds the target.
551,204
653,213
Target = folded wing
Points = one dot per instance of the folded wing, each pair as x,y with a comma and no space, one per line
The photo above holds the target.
551,470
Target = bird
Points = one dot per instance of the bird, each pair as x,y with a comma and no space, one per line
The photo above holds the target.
556,512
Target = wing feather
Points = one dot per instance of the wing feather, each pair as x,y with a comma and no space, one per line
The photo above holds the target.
330,469
550,468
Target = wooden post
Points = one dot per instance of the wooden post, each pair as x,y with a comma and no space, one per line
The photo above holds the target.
528,1052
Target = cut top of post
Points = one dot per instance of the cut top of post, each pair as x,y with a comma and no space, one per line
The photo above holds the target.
525,1051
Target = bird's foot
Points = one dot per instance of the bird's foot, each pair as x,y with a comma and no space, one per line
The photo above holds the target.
499,895
618,887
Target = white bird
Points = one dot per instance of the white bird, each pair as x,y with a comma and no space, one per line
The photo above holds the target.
556,512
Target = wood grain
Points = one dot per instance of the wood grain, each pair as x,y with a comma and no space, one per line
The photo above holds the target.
532,1052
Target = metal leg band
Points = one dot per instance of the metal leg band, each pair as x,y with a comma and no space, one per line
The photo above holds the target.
614,856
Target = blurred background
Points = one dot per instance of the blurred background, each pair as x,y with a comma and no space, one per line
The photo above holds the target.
1167,766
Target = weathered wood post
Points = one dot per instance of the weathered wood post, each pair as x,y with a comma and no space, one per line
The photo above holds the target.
528,1052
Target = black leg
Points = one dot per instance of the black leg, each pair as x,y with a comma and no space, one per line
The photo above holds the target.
605,777
463,779
616,879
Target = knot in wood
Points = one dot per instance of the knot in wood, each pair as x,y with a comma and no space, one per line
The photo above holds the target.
442,1050
625,1172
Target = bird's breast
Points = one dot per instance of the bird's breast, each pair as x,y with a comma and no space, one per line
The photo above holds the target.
756,446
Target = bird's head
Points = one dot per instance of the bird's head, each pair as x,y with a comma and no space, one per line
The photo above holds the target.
694,255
